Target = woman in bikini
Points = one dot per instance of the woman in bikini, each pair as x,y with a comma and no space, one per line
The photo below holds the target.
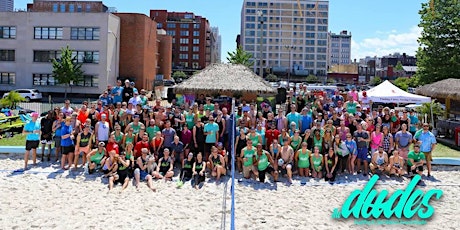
275,149
396,165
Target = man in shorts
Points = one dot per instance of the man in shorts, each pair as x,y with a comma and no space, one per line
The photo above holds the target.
286,161
145,166
247,154
264,164
416,160
427,144
362,139
32,130
46,128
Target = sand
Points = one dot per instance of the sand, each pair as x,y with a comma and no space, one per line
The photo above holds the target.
46,198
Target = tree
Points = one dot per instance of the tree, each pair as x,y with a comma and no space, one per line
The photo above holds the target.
312,79
438,56
376,81
426,108
179,74
399,66
12,99
404,83
272,77
67,70
240,57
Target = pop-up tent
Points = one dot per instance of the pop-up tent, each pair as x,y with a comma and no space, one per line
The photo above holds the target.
386,92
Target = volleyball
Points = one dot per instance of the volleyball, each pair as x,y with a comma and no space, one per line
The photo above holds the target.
280,162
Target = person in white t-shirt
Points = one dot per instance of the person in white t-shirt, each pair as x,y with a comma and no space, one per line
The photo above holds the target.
365,101
135,99
67,110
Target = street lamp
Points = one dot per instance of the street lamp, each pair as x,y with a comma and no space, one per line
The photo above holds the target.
289,48
260,14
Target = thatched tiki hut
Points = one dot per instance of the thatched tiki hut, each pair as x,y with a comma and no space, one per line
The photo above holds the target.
447,91
226,79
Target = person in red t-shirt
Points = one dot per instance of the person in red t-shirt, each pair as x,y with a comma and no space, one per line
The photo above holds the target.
272,134
112,145
144,143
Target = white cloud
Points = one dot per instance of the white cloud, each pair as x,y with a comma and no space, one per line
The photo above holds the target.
388,43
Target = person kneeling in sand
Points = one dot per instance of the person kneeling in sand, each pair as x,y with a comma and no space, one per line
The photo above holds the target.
199,169
396,165
316,163
379,161
264,163
416,160
95,157
216,164
165,166
144,169
121,165
286,159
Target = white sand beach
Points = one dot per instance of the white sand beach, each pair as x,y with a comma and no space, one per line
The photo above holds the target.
44,198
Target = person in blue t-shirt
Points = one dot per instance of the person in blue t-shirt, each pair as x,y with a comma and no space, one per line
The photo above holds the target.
427,142
117,93
32,131
211,130
67,144
294,116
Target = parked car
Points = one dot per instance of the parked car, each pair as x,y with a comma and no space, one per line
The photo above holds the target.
274,84
28,94
283,84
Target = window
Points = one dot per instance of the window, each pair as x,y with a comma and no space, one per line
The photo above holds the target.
62,6
196,41
171,32
79,8
55,7
184,33
184,41
48,33
321,50
188,16
184,26
196,26
7,78
46,55
71,8
196,57
171,25
309,42
48,79
82,33
159,25
322,28
196,49
183,56
183,48
86,56
7,32
88,81
88,8
196,33
310,35
322,42
309,28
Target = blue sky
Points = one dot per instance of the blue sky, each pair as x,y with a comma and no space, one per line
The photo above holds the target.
377,27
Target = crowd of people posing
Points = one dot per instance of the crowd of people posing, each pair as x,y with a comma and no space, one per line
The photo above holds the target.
316,136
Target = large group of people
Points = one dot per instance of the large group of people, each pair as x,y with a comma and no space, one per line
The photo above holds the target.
311,135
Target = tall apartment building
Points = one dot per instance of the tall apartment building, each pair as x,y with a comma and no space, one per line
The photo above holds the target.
192,39
217,44
339,48
6,5
286,35
145,50
32,39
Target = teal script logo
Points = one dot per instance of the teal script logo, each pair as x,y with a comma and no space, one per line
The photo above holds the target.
406,203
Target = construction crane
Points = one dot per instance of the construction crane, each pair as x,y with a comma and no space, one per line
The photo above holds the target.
300,7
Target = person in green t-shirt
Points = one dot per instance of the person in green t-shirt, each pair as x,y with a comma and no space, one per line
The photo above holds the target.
302,157
247,154
265,164
416,160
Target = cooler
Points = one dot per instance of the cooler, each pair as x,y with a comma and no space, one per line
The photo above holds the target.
457,136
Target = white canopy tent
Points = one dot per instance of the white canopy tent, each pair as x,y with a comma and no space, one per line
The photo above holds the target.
386,92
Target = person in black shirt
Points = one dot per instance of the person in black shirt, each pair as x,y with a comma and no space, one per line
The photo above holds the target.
46,129
127,91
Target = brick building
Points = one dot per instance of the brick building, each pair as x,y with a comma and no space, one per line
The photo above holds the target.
192,39
58,6
145,51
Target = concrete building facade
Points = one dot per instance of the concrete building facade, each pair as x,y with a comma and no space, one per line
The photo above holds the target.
286,35
145,50
218,44
192,40
339,48
6,5
35,38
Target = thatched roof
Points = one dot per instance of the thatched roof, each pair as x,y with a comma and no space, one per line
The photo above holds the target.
448,88
225,79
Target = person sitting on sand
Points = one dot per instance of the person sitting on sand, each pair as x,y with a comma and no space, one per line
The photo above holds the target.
83,145
316,163
264,163
216,163
121,176
165,166
129,155
247,154
109,165
199,169
379,161
144,166
95,157
287,155
186,172
396,165
330,163
416,160
302,158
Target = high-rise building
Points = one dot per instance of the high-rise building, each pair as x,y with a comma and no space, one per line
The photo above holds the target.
339,48
30,40
286,35
217,44
192,39
6,5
